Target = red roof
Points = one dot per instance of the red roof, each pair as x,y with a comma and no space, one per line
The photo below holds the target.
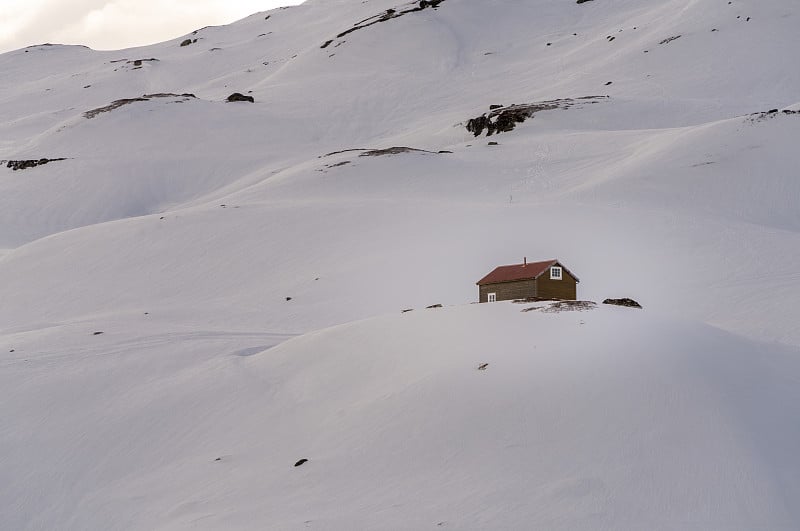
510,273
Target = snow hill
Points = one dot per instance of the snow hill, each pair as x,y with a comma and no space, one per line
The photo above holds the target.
201,293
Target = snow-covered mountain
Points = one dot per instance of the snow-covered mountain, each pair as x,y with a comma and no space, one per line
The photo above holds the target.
171,271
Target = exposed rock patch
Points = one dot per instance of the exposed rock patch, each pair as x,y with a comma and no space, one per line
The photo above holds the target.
126,101
387,15
630,303
236,96
25,164
532,299
396,150
505,118
564,306
770,114
670,39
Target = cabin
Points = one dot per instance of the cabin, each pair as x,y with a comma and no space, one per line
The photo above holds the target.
542,280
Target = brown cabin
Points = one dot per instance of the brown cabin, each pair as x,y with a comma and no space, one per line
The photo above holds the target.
543,280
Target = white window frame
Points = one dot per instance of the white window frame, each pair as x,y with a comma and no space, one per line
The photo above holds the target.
491,297
556,273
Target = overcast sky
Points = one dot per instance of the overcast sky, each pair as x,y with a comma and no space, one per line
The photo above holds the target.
114,24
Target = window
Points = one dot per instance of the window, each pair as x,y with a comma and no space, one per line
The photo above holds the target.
555,273
493,297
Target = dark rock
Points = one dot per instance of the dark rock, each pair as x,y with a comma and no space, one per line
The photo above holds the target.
326,44
25,164
300,462
97,333
630,303
389,14
495,106
477,125
482,366
769,115
608,83
504,119
395,150
169,95
126,101
433,306
186,42
670,39
492,144
236,96
288,299
407,310
218,459
137,62
563,306
583,1
530,299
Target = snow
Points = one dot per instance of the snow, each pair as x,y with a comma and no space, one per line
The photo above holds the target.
180,228
612,418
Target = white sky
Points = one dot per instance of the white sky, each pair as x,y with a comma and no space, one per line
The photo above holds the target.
114,24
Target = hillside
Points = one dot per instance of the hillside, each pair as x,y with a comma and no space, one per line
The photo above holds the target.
649,146
604,419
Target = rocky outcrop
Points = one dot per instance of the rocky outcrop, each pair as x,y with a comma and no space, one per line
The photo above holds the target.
504,118
630,303
563,306
387,15
396,150
126,101
670,39
237,96
770,114
25,164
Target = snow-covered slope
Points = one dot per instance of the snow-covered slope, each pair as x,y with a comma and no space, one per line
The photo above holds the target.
188,229
602,419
